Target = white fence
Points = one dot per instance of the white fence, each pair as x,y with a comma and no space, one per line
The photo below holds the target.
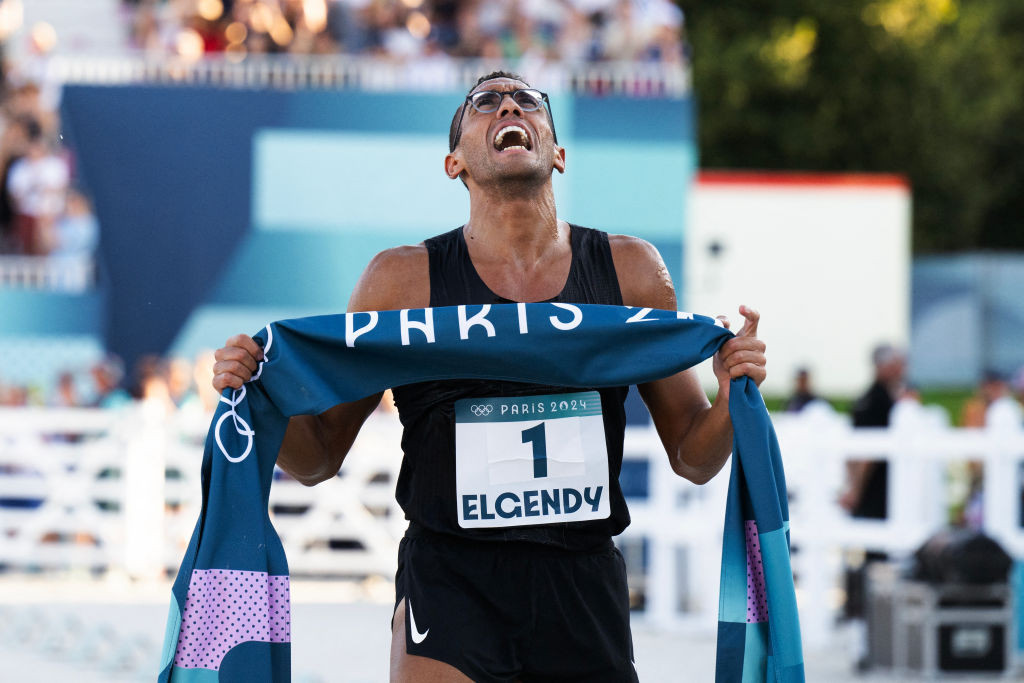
682,523
118,491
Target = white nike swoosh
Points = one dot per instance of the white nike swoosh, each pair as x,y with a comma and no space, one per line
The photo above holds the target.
417,637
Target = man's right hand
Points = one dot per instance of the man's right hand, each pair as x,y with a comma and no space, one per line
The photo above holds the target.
236,362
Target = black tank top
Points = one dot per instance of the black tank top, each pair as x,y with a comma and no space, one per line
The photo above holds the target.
426,484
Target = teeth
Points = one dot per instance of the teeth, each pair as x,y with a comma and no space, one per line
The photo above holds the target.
501,134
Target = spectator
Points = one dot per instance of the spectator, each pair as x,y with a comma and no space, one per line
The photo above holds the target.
37,184
622,39
1003,408
144,33
867,480
26,102
107,376
66,394
13,143
992,404
202,378
534,30
75,238
151,379
802,392
14,395
179,382
866,494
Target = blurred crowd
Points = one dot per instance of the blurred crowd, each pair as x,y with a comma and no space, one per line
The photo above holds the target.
41,213
168,384
569,31
998,398
163,384
997,402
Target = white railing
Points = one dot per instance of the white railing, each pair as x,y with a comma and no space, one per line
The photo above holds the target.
120,491
54,273
366,73
92,494
682,523
919,447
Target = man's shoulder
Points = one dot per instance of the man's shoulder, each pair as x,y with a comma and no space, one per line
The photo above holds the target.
399,257
398,277
641,272
630,245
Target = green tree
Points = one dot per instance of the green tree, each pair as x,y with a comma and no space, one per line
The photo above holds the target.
933,89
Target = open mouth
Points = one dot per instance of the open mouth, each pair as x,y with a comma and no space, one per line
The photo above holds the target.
511,137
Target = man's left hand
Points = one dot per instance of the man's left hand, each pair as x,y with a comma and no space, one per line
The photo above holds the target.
743,354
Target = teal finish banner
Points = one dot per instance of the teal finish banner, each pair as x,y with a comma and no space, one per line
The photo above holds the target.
230,612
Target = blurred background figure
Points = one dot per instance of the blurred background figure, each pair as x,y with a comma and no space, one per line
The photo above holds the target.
180,386
37,185
994,403
867,480
541,30
866,490
802,391
1003,408
152,387
66,394
107,375
202,378
75,240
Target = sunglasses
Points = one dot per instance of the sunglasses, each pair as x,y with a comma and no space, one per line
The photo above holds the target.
488,101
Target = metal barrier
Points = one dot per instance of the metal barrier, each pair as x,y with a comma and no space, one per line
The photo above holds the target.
118,491
293,72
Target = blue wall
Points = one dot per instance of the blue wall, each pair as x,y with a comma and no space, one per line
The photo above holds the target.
223,209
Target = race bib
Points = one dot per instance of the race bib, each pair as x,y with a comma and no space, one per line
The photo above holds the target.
530,460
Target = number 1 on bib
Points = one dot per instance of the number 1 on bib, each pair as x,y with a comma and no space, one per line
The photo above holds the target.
535,435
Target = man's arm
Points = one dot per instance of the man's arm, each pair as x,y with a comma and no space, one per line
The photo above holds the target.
315,446
697,435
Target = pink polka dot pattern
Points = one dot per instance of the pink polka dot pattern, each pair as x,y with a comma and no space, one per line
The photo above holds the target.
225,607
757,603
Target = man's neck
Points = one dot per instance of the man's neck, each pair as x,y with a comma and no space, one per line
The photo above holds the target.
513,228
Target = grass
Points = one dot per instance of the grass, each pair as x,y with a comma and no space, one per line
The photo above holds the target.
951,399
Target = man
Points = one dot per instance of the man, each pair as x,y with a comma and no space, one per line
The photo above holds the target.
37,184
495,602
802,392
867,480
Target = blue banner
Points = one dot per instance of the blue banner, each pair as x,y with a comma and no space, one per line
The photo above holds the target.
235,557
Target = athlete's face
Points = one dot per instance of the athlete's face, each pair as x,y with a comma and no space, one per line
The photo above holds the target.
507,144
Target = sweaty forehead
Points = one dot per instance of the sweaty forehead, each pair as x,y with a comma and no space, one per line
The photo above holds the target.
501,85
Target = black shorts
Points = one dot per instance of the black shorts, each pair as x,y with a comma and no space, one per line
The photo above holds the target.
507,611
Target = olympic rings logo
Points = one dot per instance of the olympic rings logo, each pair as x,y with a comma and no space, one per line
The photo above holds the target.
481,411
242,427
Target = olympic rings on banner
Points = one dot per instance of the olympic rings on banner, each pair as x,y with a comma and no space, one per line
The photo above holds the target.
237,396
